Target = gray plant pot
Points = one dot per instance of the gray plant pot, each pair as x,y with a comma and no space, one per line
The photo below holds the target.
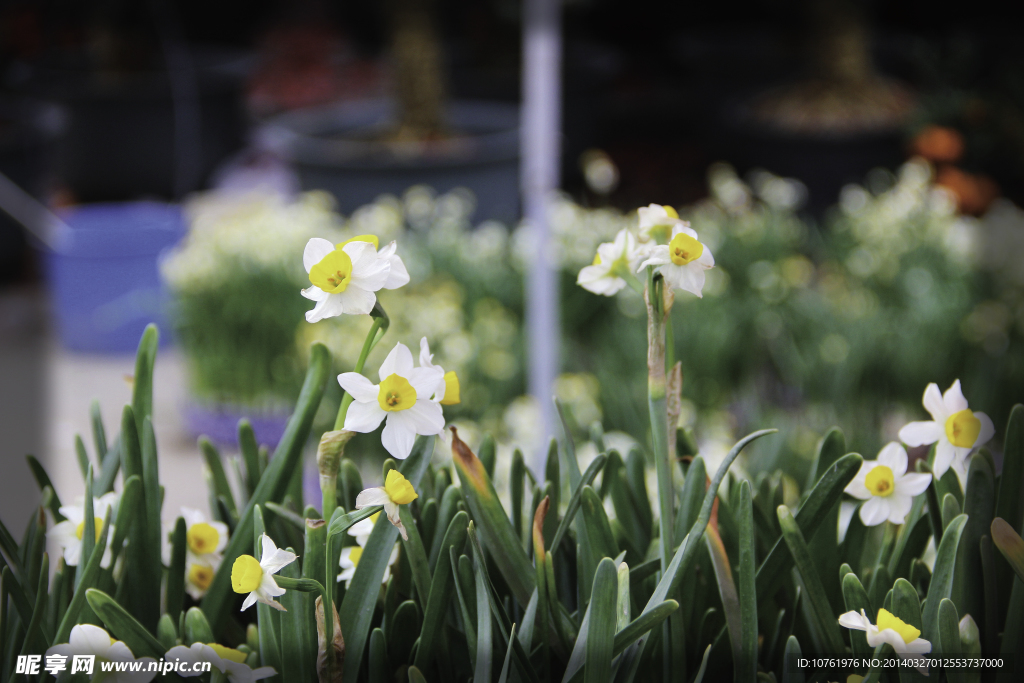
334,148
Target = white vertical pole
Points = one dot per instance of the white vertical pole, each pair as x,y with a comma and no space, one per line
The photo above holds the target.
541,142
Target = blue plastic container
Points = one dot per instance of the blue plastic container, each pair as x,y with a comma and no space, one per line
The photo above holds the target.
103,275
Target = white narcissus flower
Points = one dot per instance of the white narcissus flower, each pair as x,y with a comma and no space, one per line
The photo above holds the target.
886,488
228,661
904,638
657,222
397,490
448,391
86,639
199,575
954,429
349,560
403,397
614,259
205,539
343,279
682,261
256,578
68,534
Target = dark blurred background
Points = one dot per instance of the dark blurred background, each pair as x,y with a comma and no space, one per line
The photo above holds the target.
113,112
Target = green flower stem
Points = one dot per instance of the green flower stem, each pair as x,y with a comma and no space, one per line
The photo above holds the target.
656,401
380,324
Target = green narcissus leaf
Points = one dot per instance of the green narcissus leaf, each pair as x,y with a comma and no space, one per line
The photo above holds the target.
218,478
176,571
949,639
442,590
496,532
941,584
379,669
142,383
746,663
856,599
123,625
1009,544
356,612
197,628
601,635
574,501
726,591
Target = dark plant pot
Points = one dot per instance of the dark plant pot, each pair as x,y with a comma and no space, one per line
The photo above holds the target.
333,148
219,423
103,274
823,162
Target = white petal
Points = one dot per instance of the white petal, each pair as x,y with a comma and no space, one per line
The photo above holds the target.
358,386
893,456
250,600
899,507
357,300
854,620
913,484
398,436
262,672
426,357
874,511
658,256
921,433
364,417
425,381
892,638
857,489
314,293
73,553
222,535
274,563
918,646
89,639
398,362
706,259
329,307
426,417
960,465
269,547
689,278
683,227
399,275
315,251
953,399
368,271
391,509
269,588
372,496
933,403
988,430
598,280
63,533
74,513
945,453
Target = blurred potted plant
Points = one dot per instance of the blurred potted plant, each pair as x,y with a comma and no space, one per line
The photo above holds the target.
359,150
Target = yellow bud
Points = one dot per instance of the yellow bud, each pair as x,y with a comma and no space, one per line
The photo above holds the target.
246,574
451,389
398,488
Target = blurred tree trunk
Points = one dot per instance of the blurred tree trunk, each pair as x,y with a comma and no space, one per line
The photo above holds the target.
419,84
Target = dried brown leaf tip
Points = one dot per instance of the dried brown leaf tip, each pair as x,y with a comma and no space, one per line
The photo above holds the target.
468,463
538,528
